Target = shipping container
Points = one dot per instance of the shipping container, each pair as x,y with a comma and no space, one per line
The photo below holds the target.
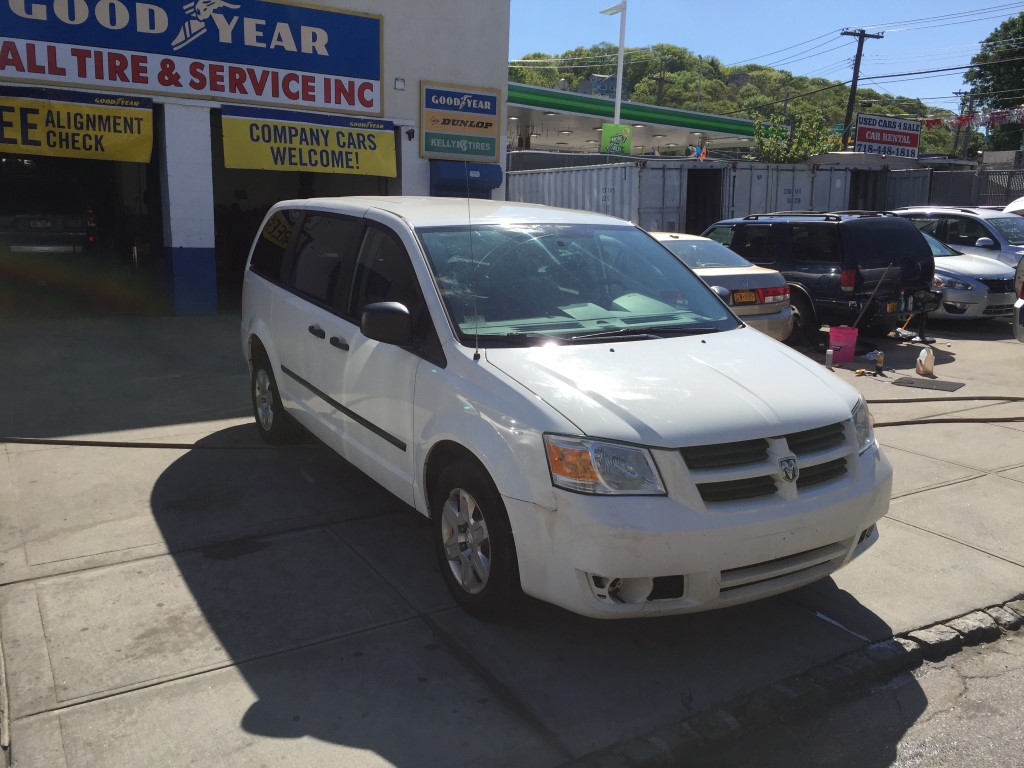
673,195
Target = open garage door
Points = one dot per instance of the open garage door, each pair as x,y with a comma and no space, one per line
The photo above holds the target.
78,218
242,196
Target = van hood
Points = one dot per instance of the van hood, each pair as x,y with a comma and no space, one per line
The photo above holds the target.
677,392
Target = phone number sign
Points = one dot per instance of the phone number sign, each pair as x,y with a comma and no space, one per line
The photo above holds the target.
259,52
883,135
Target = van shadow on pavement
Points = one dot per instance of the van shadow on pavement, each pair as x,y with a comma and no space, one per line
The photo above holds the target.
314,599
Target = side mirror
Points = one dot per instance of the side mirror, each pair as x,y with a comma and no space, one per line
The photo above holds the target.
986,242
723,293
388,322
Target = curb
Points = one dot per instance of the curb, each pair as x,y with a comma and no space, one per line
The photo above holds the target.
707,734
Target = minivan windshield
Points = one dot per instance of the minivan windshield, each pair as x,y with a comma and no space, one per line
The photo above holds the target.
533,283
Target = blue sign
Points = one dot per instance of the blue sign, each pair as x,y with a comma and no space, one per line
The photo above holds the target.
249,50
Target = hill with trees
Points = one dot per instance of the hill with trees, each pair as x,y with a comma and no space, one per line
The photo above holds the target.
670,76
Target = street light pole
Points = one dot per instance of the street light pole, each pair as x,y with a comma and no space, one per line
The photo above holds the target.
621,10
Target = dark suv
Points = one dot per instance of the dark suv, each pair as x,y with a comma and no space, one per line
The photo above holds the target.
844,268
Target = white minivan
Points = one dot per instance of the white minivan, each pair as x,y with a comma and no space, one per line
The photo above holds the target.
580,416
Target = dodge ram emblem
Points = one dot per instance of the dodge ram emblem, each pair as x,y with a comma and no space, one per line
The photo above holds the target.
790,471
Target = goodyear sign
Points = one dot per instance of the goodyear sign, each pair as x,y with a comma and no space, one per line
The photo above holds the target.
261,52
458,123
275,140
75,124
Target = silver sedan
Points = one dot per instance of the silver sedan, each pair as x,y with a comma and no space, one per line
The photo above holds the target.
758,296
973,286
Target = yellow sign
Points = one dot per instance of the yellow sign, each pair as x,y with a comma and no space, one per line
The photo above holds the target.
65,124
275,140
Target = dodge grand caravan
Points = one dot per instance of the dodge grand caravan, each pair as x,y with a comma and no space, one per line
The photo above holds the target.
579,415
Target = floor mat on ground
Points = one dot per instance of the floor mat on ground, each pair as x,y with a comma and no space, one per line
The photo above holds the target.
945,386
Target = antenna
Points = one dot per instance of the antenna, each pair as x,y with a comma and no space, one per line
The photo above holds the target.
472,285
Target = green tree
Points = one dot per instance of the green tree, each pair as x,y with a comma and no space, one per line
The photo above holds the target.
809,136
996,79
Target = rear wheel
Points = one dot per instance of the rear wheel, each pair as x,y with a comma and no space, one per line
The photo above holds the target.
274,425
805,322
473,540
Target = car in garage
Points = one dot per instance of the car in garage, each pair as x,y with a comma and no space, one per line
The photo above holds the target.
973,287
580,416
41,213
757,295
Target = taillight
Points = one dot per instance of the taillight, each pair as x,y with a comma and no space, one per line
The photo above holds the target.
773,295
848,280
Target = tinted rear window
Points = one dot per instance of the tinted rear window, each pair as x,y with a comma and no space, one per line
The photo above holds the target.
881,241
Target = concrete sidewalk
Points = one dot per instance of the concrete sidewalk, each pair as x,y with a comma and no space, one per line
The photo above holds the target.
173,592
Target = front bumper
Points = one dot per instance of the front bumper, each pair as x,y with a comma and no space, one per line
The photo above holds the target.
973,305
615,557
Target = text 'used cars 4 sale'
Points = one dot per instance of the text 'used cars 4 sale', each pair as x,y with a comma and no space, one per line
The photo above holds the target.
580,416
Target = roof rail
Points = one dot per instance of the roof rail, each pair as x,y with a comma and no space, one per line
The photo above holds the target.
863,213
775,214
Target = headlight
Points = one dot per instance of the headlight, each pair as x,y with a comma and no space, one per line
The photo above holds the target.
863,423
596,466
944,281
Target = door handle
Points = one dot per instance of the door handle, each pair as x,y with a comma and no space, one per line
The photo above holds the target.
317,331
339,343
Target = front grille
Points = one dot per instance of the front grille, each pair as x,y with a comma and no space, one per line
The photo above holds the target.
997,286
819,439
735,490
821,473
998,310
725,454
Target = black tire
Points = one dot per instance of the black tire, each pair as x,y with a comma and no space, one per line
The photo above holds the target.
473,540
805,322
274,425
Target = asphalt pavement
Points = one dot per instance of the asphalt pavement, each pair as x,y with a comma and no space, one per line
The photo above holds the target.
173,592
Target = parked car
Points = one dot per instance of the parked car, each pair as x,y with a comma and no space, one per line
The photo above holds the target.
843,268
1018,305
581,417
757,295
973,287
999,233
43,214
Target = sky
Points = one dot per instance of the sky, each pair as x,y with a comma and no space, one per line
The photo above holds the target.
800,37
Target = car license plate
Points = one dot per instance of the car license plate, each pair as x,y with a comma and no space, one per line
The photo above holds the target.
40,223
744,297
890,307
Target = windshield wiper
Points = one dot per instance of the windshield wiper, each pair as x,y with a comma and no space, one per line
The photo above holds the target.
651,332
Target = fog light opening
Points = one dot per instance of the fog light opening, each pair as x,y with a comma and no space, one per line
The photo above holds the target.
619,590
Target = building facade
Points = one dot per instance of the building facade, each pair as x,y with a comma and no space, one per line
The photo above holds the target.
171,127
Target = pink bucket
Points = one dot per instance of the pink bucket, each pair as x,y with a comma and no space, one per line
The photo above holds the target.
843,340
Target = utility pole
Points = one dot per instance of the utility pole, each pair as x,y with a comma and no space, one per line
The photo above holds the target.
861,35
956,133
968,130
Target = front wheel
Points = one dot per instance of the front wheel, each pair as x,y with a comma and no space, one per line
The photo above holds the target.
473,540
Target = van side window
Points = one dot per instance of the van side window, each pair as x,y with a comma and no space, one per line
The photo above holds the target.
325,259
268,253
755,244
963,231
816,243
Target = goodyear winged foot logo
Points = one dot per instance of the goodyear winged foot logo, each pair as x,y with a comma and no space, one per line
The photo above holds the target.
194,27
